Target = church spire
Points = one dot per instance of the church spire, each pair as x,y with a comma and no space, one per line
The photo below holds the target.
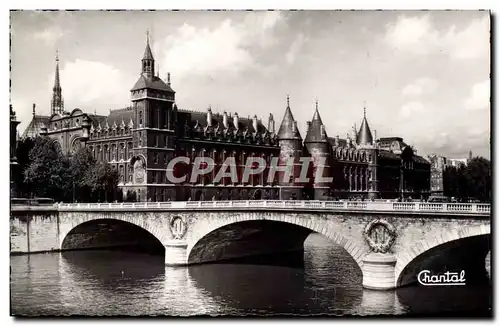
148,62
57,103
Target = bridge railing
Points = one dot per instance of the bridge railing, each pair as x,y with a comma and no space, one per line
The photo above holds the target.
467,208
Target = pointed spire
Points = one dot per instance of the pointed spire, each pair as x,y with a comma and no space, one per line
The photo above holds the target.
168,79
148,54
148,62
364,136
316,131
57,104
34,109
288,128
57,83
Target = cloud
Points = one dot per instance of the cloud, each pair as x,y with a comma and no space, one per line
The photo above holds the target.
227,47
49,35
418,35
420,86
479,97
91,84
295,48
411,109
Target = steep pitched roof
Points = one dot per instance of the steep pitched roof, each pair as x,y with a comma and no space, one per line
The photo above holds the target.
316,131
191,118
364,136
96,119
116,116
342,141
35,126
288,128
148,54
152,83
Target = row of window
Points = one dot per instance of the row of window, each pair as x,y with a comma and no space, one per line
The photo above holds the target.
113,152
110,132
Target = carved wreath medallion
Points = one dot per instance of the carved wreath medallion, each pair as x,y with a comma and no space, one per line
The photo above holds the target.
178,227
380,235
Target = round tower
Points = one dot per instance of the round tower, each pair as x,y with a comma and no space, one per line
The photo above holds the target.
317,145
366,141
290,143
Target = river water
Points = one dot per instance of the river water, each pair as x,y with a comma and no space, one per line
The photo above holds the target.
125,283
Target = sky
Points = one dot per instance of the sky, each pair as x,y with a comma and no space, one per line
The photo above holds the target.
422,75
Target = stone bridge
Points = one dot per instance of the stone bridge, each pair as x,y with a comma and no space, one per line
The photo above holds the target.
389,241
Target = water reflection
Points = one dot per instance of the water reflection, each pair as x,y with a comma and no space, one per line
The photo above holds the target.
325,281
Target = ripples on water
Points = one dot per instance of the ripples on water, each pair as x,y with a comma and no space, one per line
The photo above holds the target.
329,282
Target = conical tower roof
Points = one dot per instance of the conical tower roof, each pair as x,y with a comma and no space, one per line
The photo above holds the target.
364,136
148,54
316,131
288,128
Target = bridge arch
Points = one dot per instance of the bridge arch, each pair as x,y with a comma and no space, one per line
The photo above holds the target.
308,223
144,229
406,256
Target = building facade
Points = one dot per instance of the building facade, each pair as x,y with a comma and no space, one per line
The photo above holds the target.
139,141
439,164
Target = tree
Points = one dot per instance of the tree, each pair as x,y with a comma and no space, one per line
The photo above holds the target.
23,149
104,181
81,167
471,181
48,170
477,177
131,196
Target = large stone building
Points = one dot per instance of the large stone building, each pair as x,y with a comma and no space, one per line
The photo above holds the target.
139,141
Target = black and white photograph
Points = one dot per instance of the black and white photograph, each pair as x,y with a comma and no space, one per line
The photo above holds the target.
250,163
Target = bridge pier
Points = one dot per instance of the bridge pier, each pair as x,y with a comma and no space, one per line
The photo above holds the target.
176,253
379,271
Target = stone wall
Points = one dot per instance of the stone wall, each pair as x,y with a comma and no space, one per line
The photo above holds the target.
34,231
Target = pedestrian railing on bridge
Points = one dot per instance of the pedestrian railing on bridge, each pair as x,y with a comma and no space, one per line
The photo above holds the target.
423,207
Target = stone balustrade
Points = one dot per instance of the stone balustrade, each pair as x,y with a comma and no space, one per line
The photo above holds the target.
314,205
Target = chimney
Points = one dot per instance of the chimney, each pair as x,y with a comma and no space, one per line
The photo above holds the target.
168,79
209,117
224,120
254,122
236,120
270,124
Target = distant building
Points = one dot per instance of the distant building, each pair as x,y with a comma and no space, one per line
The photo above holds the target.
139,141
439,164
456,162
